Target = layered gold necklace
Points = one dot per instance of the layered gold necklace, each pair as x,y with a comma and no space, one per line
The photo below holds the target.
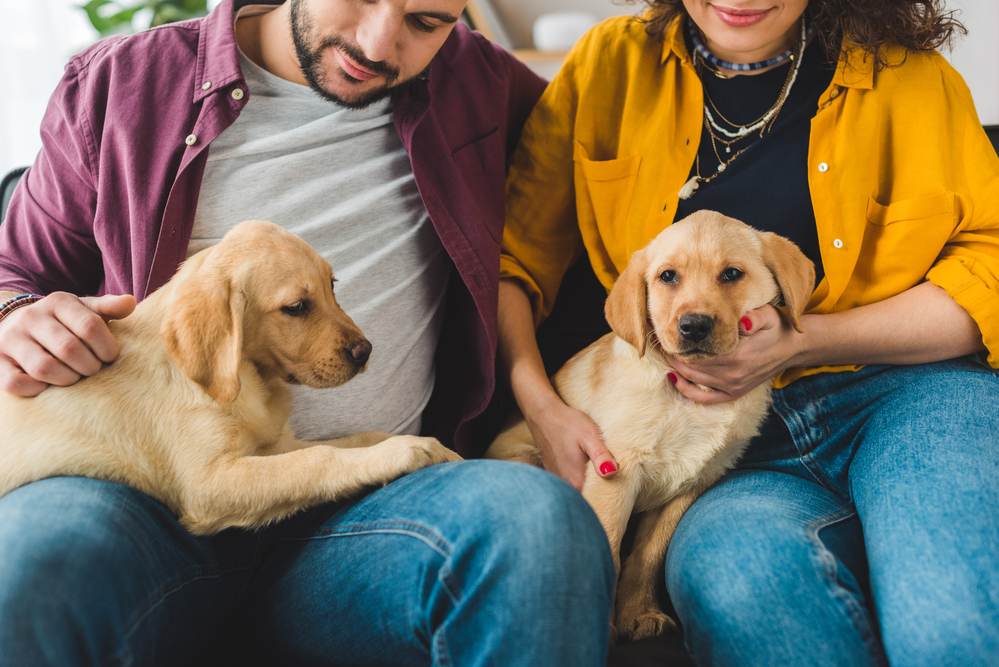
726,137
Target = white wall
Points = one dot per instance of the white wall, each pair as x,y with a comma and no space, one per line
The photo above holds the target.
37,37
976,56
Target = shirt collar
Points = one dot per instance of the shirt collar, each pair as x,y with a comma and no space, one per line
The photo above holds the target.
673,42
855,70
218,54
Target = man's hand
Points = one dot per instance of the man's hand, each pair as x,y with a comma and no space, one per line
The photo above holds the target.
568,440
768,346
58,341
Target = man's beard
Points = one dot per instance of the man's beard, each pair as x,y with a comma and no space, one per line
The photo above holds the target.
310,61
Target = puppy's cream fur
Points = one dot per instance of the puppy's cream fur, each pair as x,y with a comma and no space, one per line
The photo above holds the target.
669,449
194,411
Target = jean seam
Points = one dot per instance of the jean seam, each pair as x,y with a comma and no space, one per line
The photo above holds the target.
856,612
795,424
168,588
443,655
407,528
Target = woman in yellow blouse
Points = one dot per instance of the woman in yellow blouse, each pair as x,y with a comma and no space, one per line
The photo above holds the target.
860,526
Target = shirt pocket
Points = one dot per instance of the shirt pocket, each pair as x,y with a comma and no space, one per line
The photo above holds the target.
604,190
903,240
482,167
924,208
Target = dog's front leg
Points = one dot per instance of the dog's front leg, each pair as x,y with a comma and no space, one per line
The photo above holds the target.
613,500
252,491
637,611
288,443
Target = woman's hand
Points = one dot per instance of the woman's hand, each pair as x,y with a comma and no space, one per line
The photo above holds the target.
921,325
569,440
566,437
768,346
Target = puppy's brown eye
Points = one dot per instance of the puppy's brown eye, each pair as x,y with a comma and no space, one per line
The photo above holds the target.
298,309
730,275
668,276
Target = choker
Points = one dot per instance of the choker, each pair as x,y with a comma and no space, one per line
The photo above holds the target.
717,62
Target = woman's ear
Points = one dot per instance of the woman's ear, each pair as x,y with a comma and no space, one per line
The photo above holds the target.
794,273
203,332
626,308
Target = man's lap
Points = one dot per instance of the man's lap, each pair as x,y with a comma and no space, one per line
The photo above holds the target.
327,579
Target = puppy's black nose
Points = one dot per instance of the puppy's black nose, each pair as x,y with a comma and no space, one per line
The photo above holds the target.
360,351
695,327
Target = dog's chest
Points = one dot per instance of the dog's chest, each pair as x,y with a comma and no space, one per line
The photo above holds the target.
673,443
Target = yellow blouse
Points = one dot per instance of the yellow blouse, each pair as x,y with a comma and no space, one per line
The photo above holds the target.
903,180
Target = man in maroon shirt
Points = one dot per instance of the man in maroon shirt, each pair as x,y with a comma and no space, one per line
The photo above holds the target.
470,563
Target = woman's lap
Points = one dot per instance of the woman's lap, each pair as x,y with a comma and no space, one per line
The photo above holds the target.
889,469
99,569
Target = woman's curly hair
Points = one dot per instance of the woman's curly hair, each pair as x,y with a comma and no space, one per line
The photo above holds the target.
916,25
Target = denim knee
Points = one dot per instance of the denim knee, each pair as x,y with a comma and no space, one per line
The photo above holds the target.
524,522
60,563
525,509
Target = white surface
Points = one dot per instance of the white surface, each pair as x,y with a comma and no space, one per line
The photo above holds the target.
976,56
559,31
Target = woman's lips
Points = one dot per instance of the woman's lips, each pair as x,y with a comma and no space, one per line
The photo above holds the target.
740,18
351,68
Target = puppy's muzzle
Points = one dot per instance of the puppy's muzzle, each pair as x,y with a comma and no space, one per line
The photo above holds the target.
358,352
695,327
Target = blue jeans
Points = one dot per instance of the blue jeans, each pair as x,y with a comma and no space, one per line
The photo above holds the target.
860,528
473,563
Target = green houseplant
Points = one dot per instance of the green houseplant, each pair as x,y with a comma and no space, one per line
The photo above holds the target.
110,17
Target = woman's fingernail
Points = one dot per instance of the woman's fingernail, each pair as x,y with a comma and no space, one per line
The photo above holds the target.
672,377
747,323
607,468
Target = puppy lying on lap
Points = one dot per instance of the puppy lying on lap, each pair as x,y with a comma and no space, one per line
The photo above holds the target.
683,295
194,411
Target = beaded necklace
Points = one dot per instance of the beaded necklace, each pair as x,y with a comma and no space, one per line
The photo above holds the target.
763,124
717,62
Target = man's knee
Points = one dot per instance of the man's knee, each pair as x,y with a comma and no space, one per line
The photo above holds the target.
62,557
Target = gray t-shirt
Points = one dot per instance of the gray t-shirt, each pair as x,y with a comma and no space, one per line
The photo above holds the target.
341,180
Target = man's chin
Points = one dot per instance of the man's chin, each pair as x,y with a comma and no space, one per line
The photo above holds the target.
351,93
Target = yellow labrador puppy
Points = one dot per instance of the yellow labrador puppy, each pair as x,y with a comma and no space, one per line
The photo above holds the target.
194,411
683,294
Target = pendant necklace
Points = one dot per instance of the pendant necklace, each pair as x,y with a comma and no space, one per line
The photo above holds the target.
763,124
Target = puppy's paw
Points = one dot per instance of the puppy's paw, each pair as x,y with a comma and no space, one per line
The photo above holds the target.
648,623
403,454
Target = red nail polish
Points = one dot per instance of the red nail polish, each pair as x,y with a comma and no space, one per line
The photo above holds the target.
607,468
672,377
747,323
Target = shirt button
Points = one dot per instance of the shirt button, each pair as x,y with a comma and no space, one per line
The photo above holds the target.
834,93
838,243
237,93
191,140
823,167
206,85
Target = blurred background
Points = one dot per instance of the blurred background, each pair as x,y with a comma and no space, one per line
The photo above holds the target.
37,37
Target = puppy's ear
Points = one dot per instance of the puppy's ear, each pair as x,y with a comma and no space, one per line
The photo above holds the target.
626,308
794,273
203,332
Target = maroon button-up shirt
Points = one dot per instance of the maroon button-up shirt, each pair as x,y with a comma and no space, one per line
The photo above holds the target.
108,206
